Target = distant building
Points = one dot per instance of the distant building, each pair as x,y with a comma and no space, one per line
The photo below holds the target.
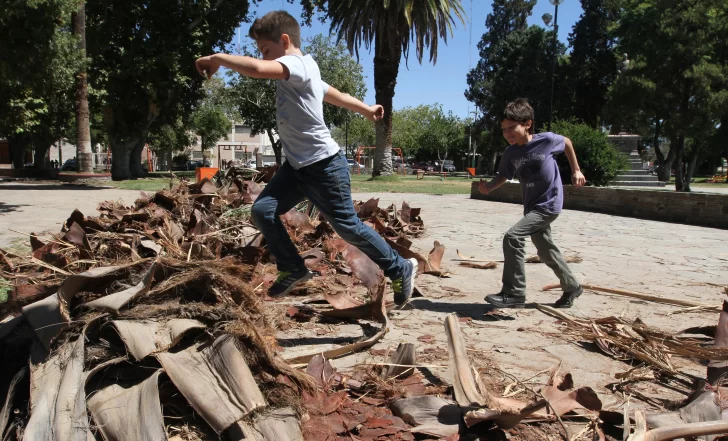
238,146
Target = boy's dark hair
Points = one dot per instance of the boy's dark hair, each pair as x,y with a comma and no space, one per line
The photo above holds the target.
519,110
274,24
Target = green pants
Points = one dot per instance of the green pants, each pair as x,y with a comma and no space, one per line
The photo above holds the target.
538,226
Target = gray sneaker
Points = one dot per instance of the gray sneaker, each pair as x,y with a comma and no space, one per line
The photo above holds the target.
404,286
287,281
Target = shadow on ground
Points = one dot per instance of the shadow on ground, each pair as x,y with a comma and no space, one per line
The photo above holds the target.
8,208
21,187
476,311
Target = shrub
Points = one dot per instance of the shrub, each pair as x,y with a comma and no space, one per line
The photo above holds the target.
599,160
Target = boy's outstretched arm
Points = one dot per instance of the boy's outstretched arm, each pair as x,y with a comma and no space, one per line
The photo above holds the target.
487,187
577,177
248,66
338,99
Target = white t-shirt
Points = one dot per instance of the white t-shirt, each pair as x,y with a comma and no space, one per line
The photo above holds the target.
300,113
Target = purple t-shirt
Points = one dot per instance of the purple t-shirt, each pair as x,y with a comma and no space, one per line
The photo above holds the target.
535,167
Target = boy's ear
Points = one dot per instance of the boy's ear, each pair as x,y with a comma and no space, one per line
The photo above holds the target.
528,124
286,40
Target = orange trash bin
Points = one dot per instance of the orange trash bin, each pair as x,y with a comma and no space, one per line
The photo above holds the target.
205,172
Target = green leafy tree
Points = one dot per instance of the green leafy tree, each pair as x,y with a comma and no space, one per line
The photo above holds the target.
142,59
390,27
677,74
515,61
506,17
358,132
599,160
39,59
169,139
513,77
592,64
256,99
210,124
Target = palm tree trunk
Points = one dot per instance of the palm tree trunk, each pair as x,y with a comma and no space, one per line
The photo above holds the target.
84,154
386,69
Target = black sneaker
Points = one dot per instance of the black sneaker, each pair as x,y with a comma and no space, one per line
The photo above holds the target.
567,298
286,281
404,286
502,300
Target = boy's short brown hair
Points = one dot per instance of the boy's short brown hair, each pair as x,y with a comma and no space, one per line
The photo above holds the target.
519,110
274,24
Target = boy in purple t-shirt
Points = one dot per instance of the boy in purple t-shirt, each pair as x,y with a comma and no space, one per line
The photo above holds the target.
530,158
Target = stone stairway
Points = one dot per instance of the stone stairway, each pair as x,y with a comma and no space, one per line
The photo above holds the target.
634,176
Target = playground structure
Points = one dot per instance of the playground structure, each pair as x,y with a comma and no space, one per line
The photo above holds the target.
397,150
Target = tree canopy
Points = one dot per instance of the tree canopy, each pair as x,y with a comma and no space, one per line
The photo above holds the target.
37,90
142,60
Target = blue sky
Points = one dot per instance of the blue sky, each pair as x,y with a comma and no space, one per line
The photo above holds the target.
445,82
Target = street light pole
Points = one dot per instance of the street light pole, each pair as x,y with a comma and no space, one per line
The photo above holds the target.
471,147
556,4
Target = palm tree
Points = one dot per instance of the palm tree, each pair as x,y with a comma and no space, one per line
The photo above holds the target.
84,155
392,25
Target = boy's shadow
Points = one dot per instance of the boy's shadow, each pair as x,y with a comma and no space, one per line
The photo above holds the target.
483,312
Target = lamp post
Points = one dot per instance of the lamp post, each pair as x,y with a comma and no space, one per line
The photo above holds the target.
547,21
471,149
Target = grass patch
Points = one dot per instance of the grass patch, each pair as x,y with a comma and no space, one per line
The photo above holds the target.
19,246
701,182
165,174
359,184
4,290
145,184
410,184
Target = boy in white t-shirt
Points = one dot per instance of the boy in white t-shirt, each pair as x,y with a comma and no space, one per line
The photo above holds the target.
315,168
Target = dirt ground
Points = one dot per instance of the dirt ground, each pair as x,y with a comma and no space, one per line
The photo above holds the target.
670,260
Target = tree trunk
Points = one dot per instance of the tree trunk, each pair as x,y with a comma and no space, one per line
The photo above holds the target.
120,157
84,154
18,145
693,162
41,145
277,147
658,152
386,69
493,155
135,158
665,171
679,176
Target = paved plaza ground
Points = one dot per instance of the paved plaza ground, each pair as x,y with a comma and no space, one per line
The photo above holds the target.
662,259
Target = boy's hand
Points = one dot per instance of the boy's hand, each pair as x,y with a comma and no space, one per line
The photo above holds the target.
206,66
578,179
483,187
375,113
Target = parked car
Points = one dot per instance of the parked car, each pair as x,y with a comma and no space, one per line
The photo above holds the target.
353,165
192,165
69,165
425,166
398,163
448,166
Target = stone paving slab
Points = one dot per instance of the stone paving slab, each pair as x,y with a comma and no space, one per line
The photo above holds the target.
671,260
44,207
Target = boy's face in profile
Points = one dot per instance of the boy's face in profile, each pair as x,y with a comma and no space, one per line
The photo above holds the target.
272,50
515,132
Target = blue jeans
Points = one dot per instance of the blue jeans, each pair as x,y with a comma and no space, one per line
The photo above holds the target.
327,185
